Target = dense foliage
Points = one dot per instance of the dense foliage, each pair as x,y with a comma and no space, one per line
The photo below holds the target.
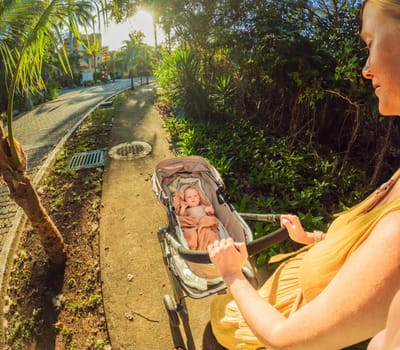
291,68
271,94
264,174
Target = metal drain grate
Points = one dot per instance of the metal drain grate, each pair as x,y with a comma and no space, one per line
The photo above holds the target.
107,104
86,160
130,150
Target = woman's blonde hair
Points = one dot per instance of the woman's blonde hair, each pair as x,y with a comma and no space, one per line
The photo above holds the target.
391,7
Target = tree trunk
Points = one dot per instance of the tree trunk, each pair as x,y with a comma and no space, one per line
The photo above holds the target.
155,34
293,130
22,191
382,154
354,133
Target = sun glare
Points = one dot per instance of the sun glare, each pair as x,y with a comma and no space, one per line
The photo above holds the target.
115,34
144,20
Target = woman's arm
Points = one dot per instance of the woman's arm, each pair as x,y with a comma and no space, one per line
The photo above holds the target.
389,338
352,308
392,334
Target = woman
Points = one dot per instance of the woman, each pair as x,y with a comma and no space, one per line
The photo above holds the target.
336,292
389,338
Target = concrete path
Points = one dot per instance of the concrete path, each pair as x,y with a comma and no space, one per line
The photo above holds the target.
133,273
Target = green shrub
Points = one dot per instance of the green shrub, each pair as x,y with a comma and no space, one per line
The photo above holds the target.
265,174
180,82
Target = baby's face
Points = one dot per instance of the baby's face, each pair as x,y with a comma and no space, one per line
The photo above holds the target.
192,197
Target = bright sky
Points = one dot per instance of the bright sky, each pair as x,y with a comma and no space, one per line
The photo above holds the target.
114,35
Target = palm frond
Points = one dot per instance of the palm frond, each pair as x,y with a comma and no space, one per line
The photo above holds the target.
27,29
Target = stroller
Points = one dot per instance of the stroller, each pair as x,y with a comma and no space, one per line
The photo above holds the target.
191,272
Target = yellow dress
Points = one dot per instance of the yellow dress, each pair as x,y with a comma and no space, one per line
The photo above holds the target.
303,276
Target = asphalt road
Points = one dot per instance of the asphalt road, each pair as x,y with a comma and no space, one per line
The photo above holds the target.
40,132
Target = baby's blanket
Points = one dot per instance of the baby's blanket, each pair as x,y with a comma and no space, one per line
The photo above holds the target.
199,231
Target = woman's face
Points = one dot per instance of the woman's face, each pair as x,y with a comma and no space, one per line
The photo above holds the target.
381,34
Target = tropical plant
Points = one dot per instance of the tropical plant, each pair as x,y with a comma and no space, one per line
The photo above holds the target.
264,175
181,80
92,48
292,67
27,28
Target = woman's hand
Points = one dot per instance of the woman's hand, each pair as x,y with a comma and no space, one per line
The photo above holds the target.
296,232
228,257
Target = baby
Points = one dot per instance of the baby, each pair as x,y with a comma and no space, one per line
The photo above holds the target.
192,198
196,217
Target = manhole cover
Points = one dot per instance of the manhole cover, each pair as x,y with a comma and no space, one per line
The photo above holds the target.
130,150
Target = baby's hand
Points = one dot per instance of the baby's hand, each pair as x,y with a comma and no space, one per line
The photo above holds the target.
209,210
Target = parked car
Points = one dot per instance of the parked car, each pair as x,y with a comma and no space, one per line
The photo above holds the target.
116,75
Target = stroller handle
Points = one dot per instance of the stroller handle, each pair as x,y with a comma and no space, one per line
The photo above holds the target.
273,218
254,247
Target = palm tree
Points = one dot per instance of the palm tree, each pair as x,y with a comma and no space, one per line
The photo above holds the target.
26,28
92,48
131,47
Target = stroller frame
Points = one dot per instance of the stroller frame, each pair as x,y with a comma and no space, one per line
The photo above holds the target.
179,259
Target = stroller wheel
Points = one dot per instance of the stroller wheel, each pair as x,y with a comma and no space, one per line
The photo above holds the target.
171,310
